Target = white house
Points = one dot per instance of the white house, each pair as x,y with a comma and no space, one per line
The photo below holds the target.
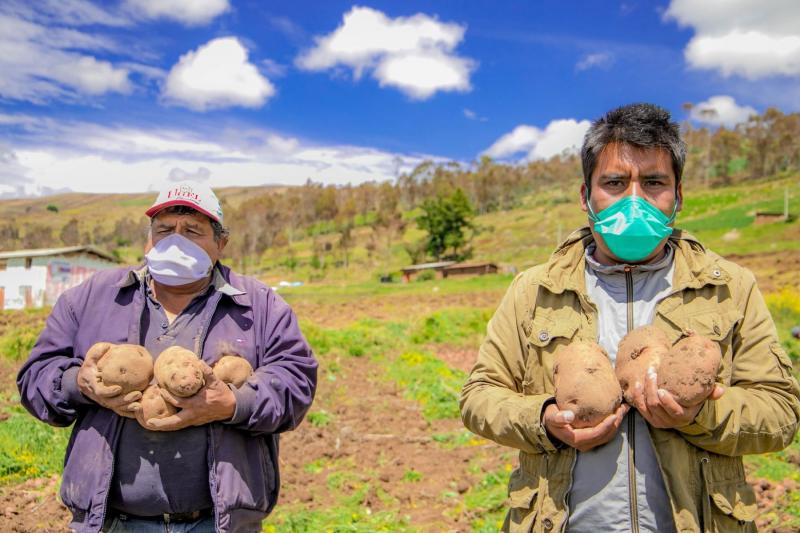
35,278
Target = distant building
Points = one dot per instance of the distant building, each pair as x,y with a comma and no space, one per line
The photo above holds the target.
36,278
450,268
410,271
469,269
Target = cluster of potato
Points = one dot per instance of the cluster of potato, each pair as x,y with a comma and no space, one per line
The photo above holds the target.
176,370
587,384
686,370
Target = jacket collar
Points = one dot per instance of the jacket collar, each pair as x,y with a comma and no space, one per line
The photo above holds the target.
694,267
218,281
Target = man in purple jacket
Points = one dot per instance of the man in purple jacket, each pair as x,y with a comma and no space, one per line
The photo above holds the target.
213,466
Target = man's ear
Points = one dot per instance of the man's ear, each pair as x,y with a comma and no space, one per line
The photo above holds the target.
679,196
148,244
584,202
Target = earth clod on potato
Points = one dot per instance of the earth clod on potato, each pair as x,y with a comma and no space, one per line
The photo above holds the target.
585,383
127,365
689,370
233,369
154,405
179,371
640,349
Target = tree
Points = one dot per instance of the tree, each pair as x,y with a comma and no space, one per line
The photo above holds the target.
447,219
725,147
69,235
37,236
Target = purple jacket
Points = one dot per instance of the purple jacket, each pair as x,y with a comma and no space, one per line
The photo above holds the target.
242,453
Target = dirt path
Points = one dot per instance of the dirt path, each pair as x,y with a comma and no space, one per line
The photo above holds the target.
773,271
384,441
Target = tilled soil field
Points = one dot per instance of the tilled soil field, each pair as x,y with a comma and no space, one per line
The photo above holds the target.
375,444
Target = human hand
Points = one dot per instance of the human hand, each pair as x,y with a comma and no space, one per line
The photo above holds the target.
660,408
558,424
214,401
91,385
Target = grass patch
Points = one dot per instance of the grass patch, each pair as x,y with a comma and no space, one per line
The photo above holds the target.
429,381
412,476
319,419
29,448
486,501
365,337
16,344
459,326
785,309
451,440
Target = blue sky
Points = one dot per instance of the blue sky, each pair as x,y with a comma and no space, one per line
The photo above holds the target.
122,96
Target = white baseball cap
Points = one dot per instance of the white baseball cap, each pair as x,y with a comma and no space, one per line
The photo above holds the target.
189,193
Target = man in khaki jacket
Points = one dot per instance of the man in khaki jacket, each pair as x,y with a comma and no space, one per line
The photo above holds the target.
653,466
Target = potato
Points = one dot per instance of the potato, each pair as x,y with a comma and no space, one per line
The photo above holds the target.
640,349
127,365
154,405
688,371
233,369
585,383
179,371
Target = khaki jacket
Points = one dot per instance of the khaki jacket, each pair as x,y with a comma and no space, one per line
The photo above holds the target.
546,308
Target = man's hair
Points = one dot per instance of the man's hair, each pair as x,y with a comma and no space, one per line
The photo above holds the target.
641,125
220,231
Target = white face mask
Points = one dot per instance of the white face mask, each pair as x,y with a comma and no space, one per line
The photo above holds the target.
175,260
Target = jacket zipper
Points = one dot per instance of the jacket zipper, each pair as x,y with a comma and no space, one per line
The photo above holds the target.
634,505
569,489
212,458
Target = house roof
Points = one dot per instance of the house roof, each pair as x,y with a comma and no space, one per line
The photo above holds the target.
426,266
470,265
45,252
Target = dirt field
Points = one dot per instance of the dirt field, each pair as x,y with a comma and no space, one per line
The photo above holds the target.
380,437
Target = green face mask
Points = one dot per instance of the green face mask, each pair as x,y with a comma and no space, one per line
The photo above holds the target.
631,227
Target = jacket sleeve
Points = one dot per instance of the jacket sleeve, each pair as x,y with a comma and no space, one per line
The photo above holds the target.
760,409
280,392
492,401
47,381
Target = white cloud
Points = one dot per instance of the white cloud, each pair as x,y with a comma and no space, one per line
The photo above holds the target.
596,60
187,12
559,136
218,74
40,63
741,37
178,174
50,154
721,110
14,178
414,54
472,115
64,13
520,139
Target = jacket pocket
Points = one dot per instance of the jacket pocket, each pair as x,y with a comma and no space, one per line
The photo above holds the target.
784,363
717,325
523,491
548,334
729,505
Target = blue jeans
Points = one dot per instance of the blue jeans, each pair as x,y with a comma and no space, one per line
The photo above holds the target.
123,524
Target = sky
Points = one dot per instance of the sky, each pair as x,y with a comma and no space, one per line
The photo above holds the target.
129,95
